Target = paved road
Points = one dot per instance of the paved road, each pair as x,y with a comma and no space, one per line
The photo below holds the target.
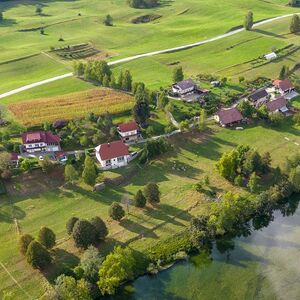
130,58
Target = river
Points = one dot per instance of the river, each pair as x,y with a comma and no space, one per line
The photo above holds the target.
264,265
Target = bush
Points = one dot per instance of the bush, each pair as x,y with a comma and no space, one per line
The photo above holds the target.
152,193
46,237
116,211
37,255
139,199
84,234
24,241
100,227
70,224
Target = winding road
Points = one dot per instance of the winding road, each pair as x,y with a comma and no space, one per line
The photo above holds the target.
130,58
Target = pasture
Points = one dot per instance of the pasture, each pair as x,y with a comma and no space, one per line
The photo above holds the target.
70,106
51,204
81,21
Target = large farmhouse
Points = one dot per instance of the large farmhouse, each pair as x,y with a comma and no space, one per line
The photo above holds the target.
112,155
40,141
228,117
129,131
184,87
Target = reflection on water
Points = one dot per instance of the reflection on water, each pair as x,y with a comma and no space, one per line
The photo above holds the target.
264,265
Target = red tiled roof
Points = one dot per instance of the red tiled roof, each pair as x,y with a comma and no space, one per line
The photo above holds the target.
131,126
40,136
276,104
231,115
113,150
283,84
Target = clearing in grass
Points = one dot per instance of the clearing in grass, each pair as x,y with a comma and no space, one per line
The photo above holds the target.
76,105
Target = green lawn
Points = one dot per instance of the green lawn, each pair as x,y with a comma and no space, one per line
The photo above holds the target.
29,70
197,154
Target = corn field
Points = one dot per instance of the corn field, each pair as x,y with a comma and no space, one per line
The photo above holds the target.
71,106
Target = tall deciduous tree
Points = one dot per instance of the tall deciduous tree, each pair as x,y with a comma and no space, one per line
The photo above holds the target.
248,24
46,237
84,234
70,224
117,267
24,241
70,173
37,255
67,288
178,74
89,174
116,211
139,199
295,24
100,227
152,193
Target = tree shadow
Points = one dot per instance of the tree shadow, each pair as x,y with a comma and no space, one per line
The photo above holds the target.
62,263
160,215
9,212
268,33
138,228
175,212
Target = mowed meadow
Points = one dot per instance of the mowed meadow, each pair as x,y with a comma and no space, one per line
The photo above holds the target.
81,21
71,106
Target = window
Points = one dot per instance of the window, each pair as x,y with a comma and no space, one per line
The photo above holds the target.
108,162
120,159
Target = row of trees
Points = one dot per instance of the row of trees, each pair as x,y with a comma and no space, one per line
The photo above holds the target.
100,72
37,251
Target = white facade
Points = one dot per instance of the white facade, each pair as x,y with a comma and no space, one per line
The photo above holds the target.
129,135
113,163
41,147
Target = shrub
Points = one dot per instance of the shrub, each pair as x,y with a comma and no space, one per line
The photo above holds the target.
70,224
116,211
84,234
139,199
37,255
152,193
46,237
24,241
100,227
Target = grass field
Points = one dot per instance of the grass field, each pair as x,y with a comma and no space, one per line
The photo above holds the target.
71,106
179,202
239,50
16,74
181,22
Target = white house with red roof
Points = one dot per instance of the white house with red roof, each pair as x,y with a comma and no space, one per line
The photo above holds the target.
129,131
41,141
113,155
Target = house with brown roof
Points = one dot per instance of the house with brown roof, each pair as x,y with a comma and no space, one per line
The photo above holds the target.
40,141
277,105
113,155
228,117
283,87
259,97
129,131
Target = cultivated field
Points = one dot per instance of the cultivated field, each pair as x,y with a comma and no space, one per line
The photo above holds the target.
75,105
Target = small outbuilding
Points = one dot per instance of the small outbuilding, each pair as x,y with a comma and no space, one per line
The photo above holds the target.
259,97
271,56
277,105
